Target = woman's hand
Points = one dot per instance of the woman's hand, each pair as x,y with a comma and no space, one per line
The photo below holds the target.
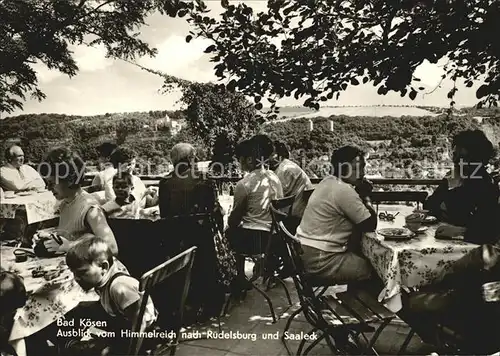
450,231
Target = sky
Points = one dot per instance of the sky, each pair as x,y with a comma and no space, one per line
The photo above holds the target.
105,85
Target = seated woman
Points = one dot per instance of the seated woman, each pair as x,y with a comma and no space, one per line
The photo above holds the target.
338,212
79,213
12,296
467,198
250,220
183,193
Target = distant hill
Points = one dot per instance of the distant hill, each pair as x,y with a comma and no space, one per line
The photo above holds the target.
359,111
395,133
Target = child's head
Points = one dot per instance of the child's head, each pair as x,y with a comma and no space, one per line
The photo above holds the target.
122,185
89,260
12,293
12,296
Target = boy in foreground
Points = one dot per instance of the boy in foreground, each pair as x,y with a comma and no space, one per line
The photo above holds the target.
94,267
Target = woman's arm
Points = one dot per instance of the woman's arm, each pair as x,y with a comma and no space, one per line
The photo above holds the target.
239,206
98,224
484,226
434,201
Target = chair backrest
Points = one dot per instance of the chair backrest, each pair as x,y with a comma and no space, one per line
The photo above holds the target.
304,288
140,237
306,194
180,264
284,204
280,210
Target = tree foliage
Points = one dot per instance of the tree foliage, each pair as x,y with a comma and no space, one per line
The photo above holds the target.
42,30
397,141
213,111
317,49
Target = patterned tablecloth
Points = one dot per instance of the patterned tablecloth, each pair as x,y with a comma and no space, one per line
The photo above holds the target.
38,206
411,263
152,214
48,301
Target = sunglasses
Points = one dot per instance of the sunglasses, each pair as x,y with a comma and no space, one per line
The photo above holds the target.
387,216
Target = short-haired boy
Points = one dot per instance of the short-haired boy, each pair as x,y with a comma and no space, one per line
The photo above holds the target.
125,203
94,266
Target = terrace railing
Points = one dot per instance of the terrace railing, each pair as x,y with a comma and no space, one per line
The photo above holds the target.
155,179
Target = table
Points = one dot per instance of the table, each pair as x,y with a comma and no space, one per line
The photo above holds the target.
151,214
47,302
38,206
408,264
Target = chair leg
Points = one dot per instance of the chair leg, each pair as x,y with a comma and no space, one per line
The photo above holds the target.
280,281
331,345
269,302
376,335
301,346
406,342
290,319
314,343
303,342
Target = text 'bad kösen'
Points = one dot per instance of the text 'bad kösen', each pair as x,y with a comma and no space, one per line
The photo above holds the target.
81,328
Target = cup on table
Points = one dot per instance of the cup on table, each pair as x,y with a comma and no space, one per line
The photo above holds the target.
491,292
20,255
414,221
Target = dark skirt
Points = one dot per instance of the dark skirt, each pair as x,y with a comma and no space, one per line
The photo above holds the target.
248,242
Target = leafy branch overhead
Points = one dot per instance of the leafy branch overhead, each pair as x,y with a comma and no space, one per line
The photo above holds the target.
316,49
43,30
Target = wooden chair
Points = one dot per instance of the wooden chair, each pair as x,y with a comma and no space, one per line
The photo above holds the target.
351,312
418,196
197,229
141,237
180,264
306,194
283,207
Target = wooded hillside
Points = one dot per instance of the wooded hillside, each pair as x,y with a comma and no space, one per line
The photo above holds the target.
397,142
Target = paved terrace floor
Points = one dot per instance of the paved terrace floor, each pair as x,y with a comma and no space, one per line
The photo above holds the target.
252,317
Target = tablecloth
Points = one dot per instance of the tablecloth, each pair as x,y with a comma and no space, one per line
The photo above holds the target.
409,264
38,206
47,302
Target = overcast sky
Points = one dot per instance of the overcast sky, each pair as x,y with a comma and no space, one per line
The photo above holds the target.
104,85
